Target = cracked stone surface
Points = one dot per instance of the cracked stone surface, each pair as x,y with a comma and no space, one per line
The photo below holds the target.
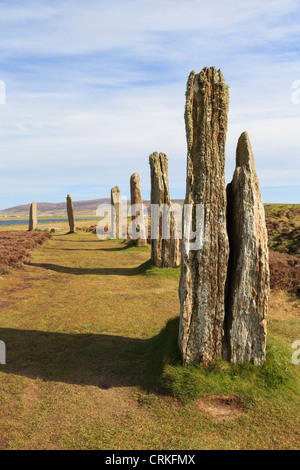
248,269
203,271
164,251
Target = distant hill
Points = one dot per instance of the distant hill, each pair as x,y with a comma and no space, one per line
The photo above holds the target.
59,209
55,209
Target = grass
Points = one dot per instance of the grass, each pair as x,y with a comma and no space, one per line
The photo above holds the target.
283,223
92,361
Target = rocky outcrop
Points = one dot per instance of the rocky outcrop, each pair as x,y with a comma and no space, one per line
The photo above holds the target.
164,240
71,215
248,269
138,222
116,215
203,271
32,216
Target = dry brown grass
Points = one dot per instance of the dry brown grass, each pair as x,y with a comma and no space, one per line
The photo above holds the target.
284,271
15,246
283,224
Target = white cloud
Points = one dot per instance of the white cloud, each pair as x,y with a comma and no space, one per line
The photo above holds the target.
93,89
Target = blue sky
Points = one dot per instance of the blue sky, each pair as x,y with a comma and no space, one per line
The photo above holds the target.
92,88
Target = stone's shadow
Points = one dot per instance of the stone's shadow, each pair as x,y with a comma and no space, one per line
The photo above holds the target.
78,241
79,249
121,248
126,246
117,248
142,248
95,271
100,360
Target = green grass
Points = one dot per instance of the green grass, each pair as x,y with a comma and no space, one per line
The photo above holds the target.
91,331
161,273
274,209
220,378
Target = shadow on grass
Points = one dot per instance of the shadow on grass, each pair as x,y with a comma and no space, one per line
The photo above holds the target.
121,244
134,248
101,360
96,240
153,365
77,249
143,268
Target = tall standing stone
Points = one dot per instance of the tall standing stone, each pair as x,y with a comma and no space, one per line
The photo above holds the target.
248,268
71,215
137,203
32,216
116,215
164,240
203,271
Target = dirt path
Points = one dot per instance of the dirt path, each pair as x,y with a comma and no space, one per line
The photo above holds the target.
83,325
76,322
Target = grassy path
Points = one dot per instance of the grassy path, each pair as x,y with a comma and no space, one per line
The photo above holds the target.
82,325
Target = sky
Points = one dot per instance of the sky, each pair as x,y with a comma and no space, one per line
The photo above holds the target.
88,90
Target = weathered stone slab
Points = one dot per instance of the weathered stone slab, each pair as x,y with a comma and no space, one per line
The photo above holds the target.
203,271
116,215
248,269
32,216
164,240
71,215
138,220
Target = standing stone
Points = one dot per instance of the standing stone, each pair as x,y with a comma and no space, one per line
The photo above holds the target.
71,215
164,240
203,271
116,214
248,270
32,216
138,216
